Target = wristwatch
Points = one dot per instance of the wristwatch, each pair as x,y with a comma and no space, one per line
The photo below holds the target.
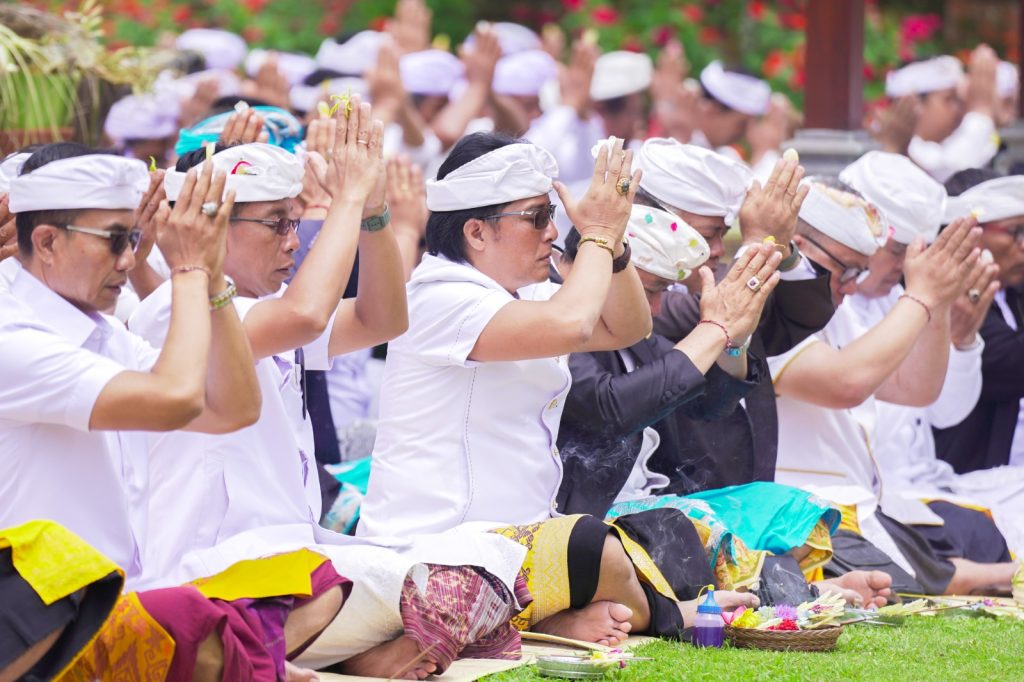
376,223
790,261
622,262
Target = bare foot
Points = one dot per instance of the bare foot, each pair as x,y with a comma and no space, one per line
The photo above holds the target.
602,622
727,599
388,659
293,673
860,588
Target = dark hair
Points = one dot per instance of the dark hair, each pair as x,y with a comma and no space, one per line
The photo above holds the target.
963,180
197,156
444,228
27,221
615,105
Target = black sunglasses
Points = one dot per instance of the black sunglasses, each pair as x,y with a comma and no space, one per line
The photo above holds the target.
850,273
282,226
119,239
540,216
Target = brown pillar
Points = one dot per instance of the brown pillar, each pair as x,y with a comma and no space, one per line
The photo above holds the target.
835,64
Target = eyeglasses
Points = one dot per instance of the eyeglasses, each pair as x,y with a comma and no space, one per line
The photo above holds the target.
850,273
541,216
119,239
1017,231
281,226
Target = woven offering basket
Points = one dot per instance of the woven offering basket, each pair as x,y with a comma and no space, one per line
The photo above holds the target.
823,639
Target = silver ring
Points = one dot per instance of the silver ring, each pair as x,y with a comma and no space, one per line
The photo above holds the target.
753,283
973,295
210,208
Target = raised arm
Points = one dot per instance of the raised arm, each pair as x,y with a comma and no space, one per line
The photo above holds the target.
184,389
450,123
379,311
302,313
143,277
571,320
843,378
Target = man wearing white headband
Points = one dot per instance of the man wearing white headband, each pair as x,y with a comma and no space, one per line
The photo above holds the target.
955,125
730,100
709,191
491,333
279,319
993,434
617,91
827,386
80,389
144,126
1007,93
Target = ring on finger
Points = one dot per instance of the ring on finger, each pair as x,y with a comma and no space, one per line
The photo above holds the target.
622,186
973,295
754,283
210,208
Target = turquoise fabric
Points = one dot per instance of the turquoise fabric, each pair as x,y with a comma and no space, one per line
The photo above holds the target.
769,516
354,477
282,128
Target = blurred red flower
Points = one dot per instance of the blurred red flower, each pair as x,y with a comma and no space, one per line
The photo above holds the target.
254,6
773,64
572,5
917,27
796,21
708,35
604,15
756,10
693,13
181,14
253,34
662,35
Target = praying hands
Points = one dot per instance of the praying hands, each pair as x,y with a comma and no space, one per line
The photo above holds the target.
8,231
771,211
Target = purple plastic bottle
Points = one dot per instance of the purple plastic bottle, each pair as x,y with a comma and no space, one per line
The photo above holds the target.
709,628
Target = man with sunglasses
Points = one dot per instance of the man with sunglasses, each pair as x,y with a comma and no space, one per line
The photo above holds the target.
79,389
828,385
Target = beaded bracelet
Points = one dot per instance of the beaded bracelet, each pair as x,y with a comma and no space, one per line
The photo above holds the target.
915,299
191,268
728,339
599,242
222,299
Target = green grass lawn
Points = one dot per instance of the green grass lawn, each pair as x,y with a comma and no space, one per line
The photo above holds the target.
941,649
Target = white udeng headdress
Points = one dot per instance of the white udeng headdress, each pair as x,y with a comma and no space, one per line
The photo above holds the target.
910,200
692,178
845,217
664,245
938,73
102,181
256,171
996,199
10,167
510,173
738,91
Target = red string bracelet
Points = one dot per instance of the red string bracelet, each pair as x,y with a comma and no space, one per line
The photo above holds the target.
728,339
915,299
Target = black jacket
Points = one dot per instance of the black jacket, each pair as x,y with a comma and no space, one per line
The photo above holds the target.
983,439
742,447
607,409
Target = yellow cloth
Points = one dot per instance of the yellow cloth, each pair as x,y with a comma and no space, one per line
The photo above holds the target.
546,567
273,576
129,646
820,544
54,561
849,521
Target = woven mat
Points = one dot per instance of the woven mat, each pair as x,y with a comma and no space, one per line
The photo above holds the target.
468,669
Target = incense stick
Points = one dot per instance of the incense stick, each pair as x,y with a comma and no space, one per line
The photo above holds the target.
416,659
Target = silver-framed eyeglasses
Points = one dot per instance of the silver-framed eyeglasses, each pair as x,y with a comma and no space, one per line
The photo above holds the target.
541,216
280,225
119,239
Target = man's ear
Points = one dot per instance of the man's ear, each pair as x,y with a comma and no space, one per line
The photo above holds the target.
44,241
474,231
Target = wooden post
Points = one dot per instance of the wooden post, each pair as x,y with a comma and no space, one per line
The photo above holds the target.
835,64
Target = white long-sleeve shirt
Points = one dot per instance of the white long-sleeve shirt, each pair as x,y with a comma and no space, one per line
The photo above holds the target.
972,145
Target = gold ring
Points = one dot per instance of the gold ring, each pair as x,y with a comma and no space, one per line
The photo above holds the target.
622,186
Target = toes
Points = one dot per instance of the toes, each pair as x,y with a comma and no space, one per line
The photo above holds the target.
626,627
620,612
879,580
603,642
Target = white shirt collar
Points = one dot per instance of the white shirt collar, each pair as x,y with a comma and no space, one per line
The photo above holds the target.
67,320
